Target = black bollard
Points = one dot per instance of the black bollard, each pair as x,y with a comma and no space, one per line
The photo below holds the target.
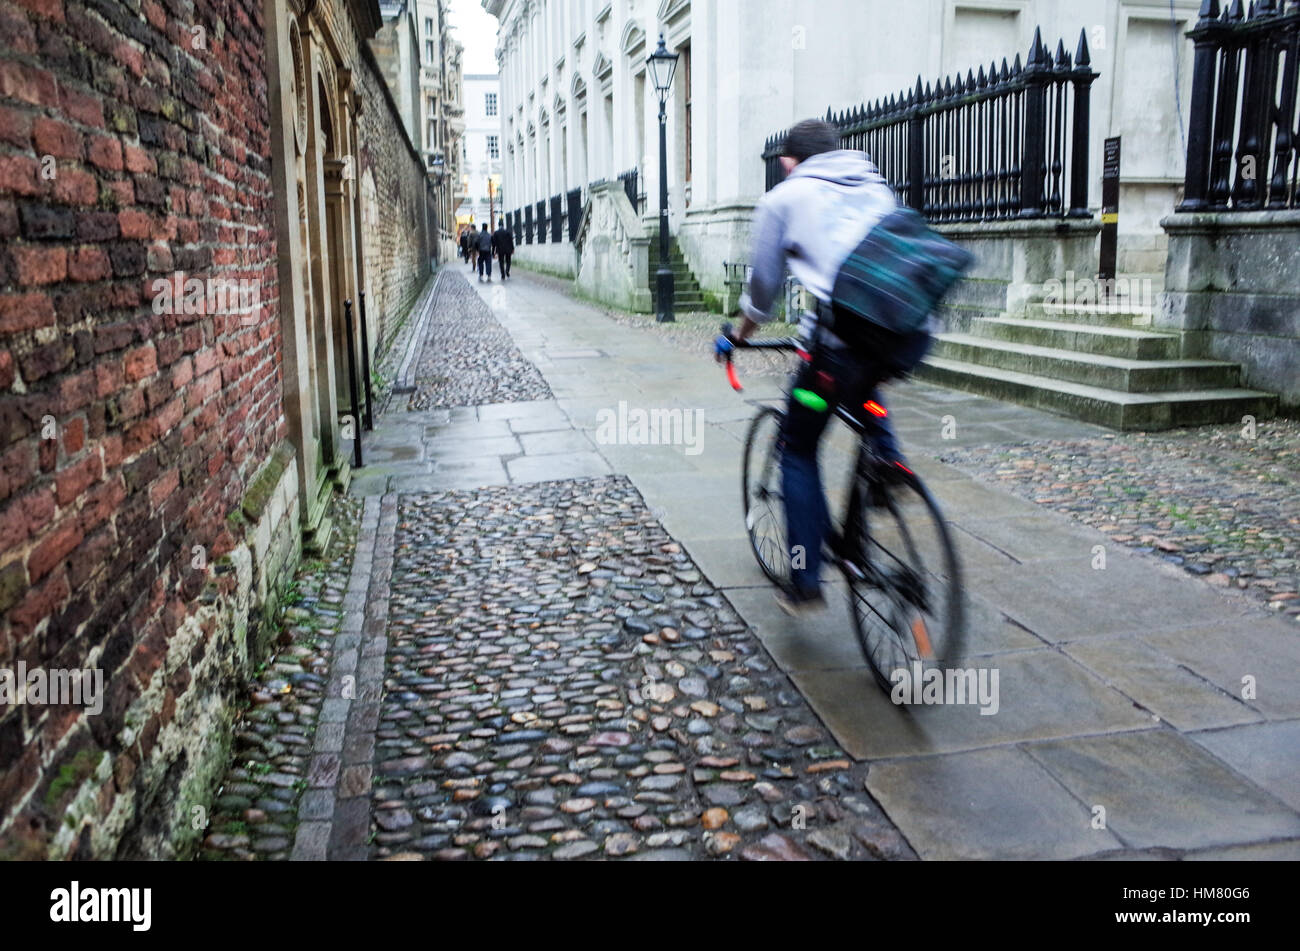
352,383
365,366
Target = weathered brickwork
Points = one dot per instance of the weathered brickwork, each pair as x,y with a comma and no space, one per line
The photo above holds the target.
134,144
398,237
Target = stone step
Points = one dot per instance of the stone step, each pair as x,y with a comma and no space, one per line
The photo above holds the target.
1081,338
1112,373
1094,404
1118,315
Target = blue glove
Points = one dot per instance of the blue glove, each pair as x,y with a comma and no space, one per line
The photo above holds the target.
722,347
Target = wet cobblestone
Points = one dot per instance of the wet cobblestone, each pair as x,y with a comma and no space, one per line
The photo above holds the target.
1224,507
563,683
256,810
468,358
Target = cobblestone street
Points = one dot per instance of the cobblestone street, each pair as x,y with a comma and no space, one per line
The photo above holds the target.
1218,501
533,642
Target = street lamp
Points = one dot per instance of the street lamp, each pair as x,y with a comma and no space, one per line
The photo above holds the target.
662,64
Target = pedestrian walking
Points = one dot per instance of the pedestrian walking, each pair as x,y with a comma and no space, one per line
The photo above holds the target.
503,245
464,244
485,253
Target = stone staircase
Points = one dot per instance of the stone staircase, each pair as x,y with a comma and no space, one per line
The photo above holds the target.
1103,364
687,295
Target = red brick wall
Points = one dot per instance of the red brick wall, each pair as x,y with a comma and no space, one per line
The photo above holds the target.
160,151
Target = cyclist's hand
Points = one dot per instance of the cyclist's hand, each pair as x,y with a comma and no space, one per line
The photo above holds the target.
722,347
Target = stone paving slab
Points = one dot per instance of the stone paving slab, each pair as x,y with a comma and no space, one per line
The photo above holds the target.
1263,650
990,804
1161,685
1160,789
1042,694
1265,752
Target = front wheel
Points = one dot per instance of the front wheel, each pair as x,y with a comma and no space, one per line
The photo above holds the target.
763,499
904,580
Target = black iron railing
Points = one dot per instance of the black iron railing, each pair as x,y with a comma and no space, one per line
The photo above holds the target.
999,143
574,200
629,180
1242,135
557,219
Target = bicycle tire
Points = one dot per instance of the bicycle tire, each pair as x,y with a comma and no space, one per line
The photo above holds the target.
760,486
905,609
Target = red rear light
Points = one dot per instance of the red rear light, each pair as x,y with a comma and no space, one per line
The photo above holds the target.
804,355
874,408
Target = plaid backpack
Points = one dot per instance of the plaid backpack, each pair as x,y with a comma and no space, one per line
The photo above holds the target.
892,281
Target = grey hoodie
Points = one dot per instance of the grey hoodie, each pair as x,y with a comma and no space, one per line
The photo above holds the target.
812,220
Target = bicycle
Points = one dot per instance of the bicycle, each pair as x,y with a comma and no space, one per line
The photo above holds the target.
903,575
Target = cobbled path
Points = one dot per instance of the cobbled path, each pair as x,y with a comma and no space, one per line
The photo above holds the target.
1222,506
256,810
562,682
468,358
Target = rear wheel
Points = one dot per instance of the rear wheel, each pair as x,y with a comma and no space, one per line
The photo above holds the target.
904,580
763,501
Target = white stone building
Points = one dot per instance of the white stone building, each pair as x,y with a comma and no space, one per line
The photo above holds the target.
577,106
481,167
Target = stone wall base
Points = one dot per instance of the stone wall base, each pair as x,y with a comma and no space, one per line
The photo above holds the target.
1232,289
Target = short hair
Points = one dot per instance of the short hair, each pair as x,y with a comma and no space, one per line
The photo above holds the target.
810,137
485,226
501,222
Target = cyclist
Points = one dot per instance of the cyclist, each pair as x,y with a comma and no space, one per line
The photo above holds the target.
831,197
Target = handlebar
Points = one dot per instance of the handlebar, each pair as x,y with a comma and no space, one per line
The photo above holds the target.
772,343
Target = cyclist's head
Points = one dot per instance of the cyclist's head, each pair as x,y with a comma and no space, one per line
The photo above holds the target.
810,137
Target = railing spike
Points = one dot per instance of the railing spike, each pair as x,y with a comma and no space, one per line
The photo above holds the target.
929,93
981,81
1209,10
1235,11
918,86
1016,68
1267,8
993,73
1081,57
1060,54
961,84
1036,49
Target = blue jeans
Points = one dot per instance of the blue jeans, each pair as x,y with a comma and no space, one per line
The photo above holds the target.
838,376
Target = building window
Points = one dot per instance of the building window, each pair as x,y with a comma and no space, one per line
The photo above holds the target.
428,51
428,26
494,147
490,104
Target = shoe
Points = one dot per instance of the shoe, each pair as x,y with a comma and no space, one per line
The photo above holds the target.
797,604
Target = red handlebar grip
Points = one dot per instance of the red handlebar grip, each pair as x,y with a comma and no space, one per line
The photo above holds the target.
732,378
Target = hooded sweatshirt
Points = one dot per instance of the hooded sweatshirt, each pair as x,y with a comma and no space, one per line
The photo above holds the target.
812,221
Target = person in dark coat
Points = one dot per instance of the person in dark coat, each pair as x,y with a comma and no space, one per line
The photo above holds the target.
503,245
484,253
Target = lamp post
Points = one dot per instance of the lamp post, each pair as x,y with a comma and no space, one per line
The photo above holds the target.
662,64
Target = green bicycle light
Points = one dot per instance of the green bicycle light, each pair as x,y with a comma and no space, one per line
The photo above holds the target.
809,399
